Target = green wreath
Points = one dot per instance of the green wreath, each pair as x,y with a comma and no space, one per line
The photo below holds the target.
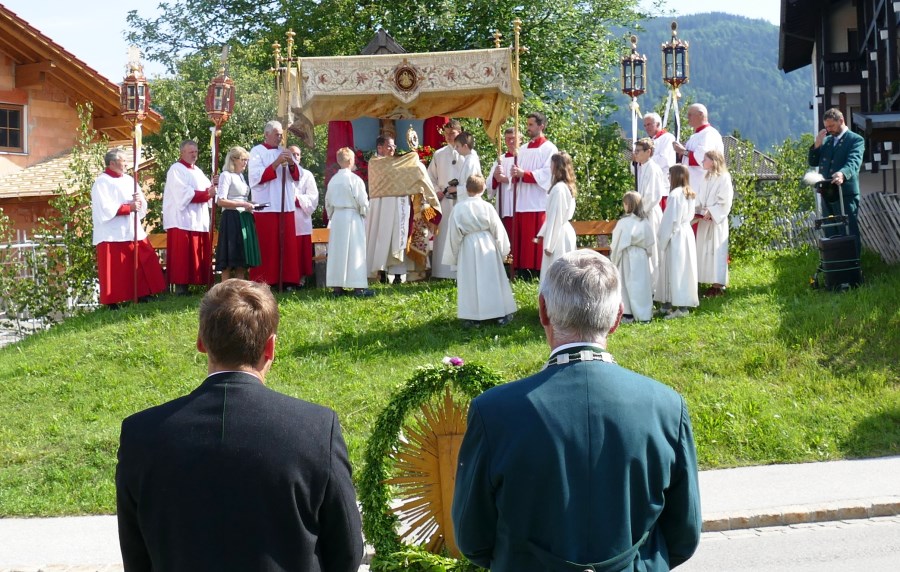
379,522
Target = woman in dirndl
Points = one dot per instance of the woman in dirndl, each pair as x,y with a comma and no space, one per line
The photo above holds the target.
238,247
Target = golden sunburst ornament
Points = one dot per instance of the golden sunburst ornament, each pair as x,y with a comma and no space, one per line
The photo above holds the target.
425,474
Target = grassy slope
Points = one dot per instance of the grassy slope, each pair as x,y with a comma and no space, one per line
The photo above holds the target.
773,373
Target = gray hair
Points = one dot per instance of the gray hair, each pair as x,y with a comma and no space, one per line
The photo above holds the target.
700,108
187,143
654,116
582,296
113,154
272,126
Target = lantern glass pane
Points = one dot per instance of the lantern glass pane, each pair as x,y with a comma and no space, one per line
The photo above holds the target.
131,99
218,103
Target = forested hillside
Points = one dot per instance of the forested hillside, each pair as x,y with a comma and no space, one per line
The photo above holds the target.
734,72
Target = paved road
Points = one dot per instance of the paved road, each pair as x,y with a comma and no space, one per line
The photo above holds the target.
846,546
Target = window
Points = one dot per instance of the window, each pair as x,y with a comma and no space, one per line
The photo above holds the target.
12,128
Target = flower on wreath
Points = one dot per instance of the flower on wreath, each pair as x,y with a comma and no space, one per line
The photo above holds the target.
425,153
454,361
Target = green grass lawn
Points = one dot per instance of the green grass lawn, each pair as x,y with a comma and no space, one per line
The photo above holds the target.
774,372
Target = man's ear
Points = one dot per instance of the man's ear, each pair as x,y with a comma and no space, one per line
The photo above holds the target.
618,318
200,347
542,311
269,348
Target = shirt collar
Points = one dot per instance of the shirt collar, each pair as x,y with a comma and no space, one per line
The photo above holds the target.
535,143
189,166
112,173
567,348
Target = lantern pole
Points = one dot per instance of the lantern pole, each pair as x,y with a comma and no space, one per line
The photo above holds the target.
517,50
675,68
134,103
634,75
219,106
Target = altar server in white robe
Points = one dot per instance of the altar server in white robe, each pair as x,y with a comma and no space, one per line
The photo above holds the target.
534,181
499,183
477,245
663,150
469,163
187,197
346,204
557,234
714,201
653,185
677,285
387,227
705,138
306,201
633,244
443,170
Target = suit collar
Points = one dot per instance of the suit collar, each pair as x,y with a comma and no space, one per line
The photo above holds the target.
576,347
231,377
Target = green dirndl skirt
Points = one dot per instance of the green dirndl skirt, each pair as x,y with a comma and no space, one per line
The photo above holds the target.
251,242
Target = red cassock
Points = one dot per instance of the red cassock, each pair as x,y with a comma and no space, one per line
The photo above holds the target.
268,235
305,254
187,256
115,269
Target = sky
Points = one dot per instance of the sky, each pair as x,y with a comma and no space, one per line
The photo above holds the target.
92,30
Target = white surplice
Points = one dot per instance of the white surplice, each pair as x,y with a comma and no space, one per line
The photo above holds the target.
346,204
715,196
706,138
557,231
306,199
108,194
179,210
502,194
664,154
443,169
653,185
677,282
477,244
633,243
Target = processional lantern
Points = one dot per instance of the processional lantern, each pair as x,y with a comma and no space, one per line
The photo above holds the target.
220,95
135,93
634,72
676,72
134,106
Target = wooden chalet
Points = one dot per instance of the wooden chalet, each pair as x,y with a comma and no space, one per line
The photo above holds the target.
40,85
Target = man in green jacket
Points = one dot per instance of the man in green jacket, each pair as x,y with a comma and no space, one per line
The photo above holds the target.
585,465
838,153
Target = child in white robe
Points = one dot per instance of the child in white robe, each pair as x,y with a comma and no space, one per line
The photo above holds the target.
477,244
469,164
346,204
633,246
677,284
557,232
713,207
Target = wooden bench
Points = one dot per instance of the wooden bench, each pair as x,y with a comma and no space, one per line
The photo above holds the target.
319,236
596,229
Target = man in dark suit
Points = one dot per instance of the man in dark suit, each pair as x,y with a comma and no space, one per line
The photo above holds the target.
838,153
585,465
235,476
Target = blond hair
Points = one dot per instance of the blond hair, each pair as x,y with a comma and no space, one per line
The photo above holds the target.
679,176
234,154
475,185
345,157
718,163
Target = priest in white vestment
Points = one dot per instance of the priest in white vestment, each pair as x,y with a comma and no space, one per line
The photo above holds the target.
347,205
705,138
477,244
443,170
499,181
532,182
633,245
387,227
187,198
714,201
663,150
273,170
